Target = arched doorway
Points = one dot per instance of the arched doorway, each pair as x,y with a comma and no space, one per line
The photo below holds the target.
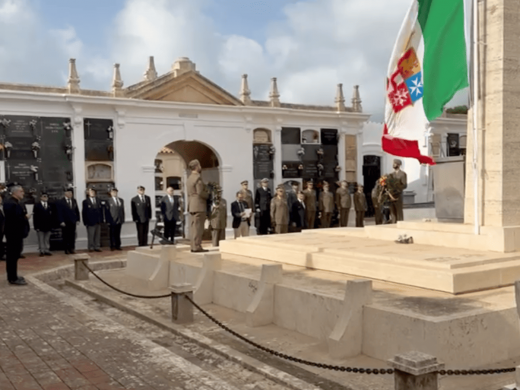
171,170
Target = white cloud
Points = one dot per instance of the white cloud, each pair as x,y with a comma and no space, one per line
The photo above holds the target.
316,45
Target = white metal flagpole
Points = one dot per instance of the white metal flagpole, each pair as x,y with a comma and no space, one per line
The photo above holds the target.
475,69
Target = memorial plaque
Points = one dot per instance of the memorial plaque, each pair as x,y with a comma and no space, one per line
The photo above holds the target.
310,171
20,126
56,165
96,150
329,136
310,152
330,153
262,161
291,136
99,146
97,129
292,171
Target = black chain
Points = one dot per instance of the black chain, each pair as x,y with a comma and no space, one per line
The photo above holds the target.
356,370
124,292
477,372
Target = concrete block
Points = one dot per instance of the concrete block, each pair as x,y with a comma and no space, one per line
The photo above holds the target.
415,371
182,308
80,271
203,288
346,340
152,266
261,310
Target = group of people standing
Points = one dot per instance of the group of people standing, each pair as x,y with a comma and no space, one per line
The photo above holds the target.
65,214
295,210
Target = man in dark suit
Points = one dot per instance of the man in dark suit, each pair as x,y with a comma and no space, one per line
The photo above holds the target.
298,220
141,214
92,215
16,220
263,198
170,214
43,217
115,217
68,217
240,221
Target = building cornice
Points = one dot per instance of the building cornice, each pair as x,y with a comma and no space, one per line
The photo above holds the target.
125,104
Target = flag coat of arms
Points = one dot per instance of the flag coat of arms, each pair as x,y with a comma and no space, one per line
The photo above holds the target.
428,66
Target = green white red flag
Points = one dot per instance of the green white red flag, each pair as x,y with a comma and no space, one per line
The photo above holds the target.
428,66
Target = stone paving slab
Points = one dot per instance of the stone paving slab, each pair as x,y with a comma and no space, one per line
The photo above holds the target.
52,344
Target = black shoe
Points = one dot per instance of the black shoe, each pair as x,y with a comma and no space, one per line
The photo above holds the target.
112,249
22,257
199,250
72,252
2,258
119,249
42,254
18,282
67,251
98,250
48,254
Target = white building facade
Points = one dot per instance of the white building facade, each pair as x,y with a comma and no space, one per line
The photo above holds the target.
180,110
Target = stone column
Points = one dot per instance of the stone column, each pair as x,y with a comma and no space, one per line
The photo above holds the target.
415,371
78,156
342,156
277,163
499,117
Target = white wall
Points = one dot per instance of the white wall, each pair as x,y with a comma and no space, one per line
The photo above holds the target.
418,175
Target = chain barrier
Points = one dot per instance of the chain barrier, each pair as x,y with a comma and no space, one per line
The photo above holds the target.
357,370
375,371
124,292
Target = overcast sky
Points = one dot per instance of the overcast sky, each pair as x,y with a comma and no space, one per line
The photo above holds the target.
309,45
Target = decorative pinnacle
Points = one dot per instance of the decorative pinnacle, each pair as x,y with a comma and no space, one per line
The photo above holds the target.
245,93
274,95
356,100
340,98
73,82
151,73
117,83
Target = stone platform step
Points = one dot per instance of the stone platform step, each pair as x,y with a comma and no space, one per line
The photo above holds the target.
346,251
450,235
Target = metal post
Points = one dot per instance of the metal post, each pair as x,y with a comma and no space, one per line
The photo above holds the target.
80,271
415,371
182,309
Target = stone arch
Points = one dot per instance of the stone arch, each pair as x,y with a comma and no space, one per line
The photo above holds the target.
310,136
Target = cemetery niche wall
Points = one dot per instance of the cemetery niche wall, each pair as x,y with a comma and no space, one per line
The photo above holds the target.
310,155
99,162
36,153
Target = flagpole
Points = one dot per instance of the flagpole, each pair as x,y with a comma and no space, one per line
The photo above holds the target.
475,69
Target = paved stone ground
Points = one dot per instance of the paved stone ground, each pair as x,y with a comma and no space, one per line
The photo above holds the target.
52,341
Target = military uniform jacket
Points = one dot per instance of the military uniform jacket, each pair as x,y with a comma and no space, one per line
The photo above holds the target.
326,202
263,198
248,198
197,194
400,176
310,199
279,211
343,200
218,216
360,202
